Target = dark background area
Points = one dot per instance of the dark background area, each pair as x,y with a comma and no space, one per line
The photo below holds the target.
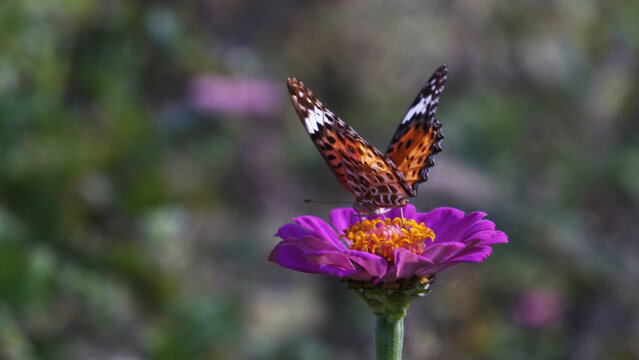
149,152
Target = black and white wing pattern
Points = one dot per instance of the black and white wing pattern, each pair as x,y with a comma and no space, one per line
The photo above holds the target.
416,141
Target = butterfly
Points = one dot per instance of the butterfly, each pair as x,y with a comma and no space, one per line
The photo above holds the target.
377,181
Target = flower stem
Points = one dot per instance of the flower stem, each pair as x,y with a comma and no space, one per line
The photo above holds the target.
389,338
389,302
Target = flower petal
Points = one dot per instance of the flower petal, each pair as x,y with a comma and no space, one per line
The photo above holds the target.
321,228
341,218
451,225
445,222
373,264
440,218
289,256
439,253
293,231
408,263
456,229
331,258
303,238
339,264
474,254
299,255
485,238
347,274
491,237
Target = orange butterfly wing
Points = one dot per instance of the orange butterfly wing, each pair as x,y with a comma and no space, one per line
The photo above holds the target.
371,178
416,141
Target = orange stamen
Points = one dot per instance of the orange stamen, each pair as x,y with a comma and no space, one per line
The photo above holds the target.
382,237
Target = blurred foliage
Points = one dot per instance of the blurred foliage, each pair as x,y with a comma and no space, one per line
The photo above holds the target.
137,210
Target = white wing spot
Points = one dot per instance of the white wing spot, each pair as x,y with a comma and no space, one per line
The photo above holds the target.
311,125
319,116
313,120
419,108
428,100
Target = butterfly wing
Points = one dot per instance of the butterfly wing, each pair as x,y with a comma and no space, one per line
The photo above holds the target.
416,141
371,178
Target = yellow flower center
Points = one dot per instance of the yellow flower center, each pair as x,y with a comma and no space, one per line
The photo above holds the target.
382,237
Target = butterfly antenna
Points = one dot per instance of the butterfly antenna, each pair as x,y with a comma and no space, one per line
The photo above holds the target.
358,216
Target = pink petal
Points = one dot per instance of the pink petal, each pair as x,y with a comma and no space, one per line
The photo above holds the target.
408,264
439,253
321,228
475,254
293,231
292,257
342,218
330,258
338,264
371,263
439,217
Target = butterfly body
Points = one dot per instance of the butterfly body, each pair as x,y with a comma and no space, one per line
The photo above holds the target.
377,181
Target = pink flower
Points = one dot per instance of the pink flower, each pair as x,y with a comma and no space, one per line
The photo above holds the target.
385,248
244,96
538,309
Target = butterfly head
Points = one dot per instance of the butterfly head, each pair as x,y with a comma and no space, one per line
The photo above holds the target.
368,208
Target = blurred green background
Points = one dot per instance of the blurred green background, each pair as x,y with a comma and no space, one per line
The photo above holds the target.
149,152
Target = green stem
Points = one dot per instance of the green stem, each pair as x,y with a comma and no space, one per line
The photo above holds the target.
389,338
389,302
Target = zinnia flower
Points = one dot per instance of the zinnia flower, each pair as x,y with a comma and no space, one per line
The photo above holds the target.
243,96
387,248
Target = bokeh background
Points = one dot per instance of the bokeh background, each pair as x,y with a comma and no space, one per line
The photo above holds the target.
149,152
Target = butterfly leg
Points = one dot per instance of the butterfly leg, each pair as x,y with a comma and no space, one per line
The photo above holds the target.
401,211
358,215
